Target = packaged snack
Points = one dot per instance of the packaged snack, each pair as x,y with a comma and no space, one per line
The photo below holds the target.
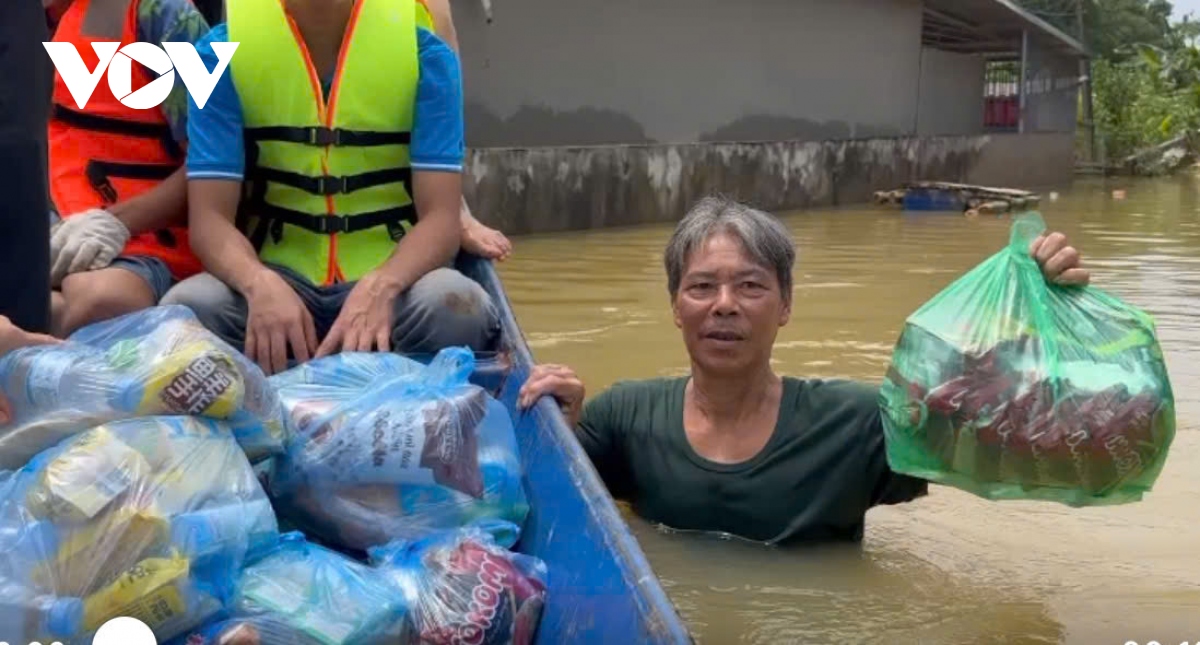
1013,388
463,587
157,361
420,450
148,517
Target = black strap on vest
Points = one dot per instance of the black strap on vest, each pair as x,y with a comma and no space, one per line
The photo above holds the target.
323,136
111,125
331,185
272,218
330,224
99,172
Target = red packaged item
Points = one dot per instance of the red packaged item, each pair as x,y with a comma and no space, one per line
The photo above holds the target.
1010,387
463,588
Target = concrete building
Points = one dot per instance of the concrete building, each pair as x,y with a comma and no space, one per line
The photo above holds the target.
587,114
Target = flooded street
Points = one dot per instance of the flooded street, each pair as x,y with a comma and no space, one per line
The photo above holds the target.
949,568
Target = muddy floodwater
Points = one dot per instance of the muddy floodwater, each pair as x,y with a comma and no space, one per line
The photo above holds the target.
949,568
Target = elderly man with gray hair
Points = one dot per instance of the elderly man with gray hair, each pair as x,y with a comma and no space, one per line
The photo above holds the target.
733,447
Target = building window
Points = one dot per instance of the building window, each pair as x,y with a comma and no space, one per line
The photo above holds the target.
1002,96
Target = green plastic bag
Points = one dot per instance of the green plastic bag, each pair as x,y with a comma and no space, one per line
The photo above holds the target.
1009,387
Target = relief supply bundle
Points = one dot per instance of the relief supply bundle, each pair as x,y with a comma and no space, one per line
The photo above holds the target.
158,361
419,449
463,587
1010,387
149,517
298,593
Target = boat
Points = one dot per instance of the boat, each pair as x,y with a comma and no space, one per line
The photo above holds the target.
960,198
601,587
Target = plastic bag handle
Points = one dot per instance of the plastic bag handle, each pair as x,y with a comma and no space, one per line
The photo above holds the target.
1025,229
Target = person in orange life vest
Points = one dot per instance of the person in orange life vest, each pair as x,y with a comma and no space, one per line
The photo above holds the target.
117,177
477,237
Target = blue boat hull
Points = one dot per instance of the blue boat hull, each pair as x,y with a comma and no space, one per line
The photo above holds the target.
601,588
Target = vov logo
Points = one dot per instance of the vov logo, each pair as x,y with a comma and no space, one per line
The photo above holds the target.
178,57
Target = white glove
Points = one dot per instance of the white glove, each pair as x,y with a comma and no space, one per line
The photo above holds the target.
85,242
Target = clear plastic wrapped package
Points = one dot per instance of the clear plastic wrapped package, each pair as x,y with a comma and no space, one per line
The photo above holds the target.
1013,388
421,449
158,361
463,587
298,593
149,517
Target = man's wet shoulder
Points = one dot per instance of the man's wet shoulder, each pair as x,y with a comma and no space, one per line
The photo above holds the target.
845,398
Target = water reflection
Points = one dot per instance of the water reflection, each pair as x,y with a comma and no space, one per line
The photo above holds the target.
950,568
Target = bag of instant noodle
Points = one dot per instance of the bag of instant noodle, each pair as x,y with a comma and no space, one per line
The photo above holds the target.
1010,387
158,361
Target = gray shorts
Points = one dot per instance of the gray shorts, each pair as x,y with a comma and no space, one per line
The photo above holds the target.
150,269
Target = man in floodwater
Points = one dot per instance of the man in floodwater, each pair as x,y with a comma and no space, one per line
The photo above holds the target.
352,156
735,447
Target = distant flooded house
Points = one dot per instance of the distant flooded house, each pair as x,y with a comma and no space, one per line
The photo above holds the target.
586,114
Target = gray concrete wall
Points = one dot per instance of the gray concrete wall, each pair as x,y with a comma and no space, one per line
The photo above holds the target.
581,72
950,94
557,189
1052,99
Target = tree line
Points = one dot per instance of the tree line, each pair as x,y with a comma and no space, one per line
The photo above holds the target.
1145,69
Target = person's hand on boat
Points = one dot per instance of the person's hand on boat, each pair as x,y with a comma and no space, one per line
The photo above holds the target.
365,321
558,381
13,337
277,319
1059,261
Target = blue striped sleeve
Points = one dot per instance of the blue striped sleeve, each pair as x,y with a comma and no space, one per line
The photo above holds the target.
437,136
215,147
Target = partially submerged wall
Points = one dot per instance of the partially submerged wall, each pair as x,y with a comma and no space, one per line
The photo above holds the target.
536,190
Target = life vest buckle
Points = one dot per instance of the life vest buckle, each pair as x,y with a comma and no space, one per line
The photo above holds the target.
331,224
323,136
330,185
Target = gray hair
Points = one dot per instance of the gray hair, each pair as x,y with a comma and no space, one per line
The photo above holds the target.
762,236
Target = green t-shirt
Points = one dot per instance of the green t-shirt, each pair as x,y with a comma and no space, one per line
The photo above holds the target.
821,470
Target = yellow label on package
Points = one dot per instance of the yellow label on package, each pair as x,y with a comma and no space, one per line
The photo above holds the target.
89,475
150,592
100,550
194,380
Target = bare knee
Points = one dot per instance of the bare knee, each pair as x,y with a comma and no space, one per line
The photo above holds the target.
95,296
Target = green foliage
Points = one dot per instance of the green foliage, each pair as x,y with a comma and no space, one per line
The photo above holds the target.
1134,109
1145,70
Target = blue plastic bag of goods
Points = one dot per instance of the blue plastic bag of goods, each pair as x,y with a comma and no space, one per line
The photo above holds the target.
1010,387
463,587
297,592
419,450
150,517
158,361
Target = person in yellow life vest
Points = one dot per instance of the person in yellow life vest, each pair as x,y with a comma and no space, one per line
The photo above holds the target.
116,175
342,120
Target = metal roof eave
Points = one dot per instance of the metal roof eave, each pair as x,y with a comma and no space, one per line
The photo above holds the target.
993,13
1050,29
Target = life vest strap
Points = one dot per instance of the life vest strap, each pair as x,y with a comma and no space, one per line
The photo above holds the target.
333,185
331,224
323,136
98,173
111,125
